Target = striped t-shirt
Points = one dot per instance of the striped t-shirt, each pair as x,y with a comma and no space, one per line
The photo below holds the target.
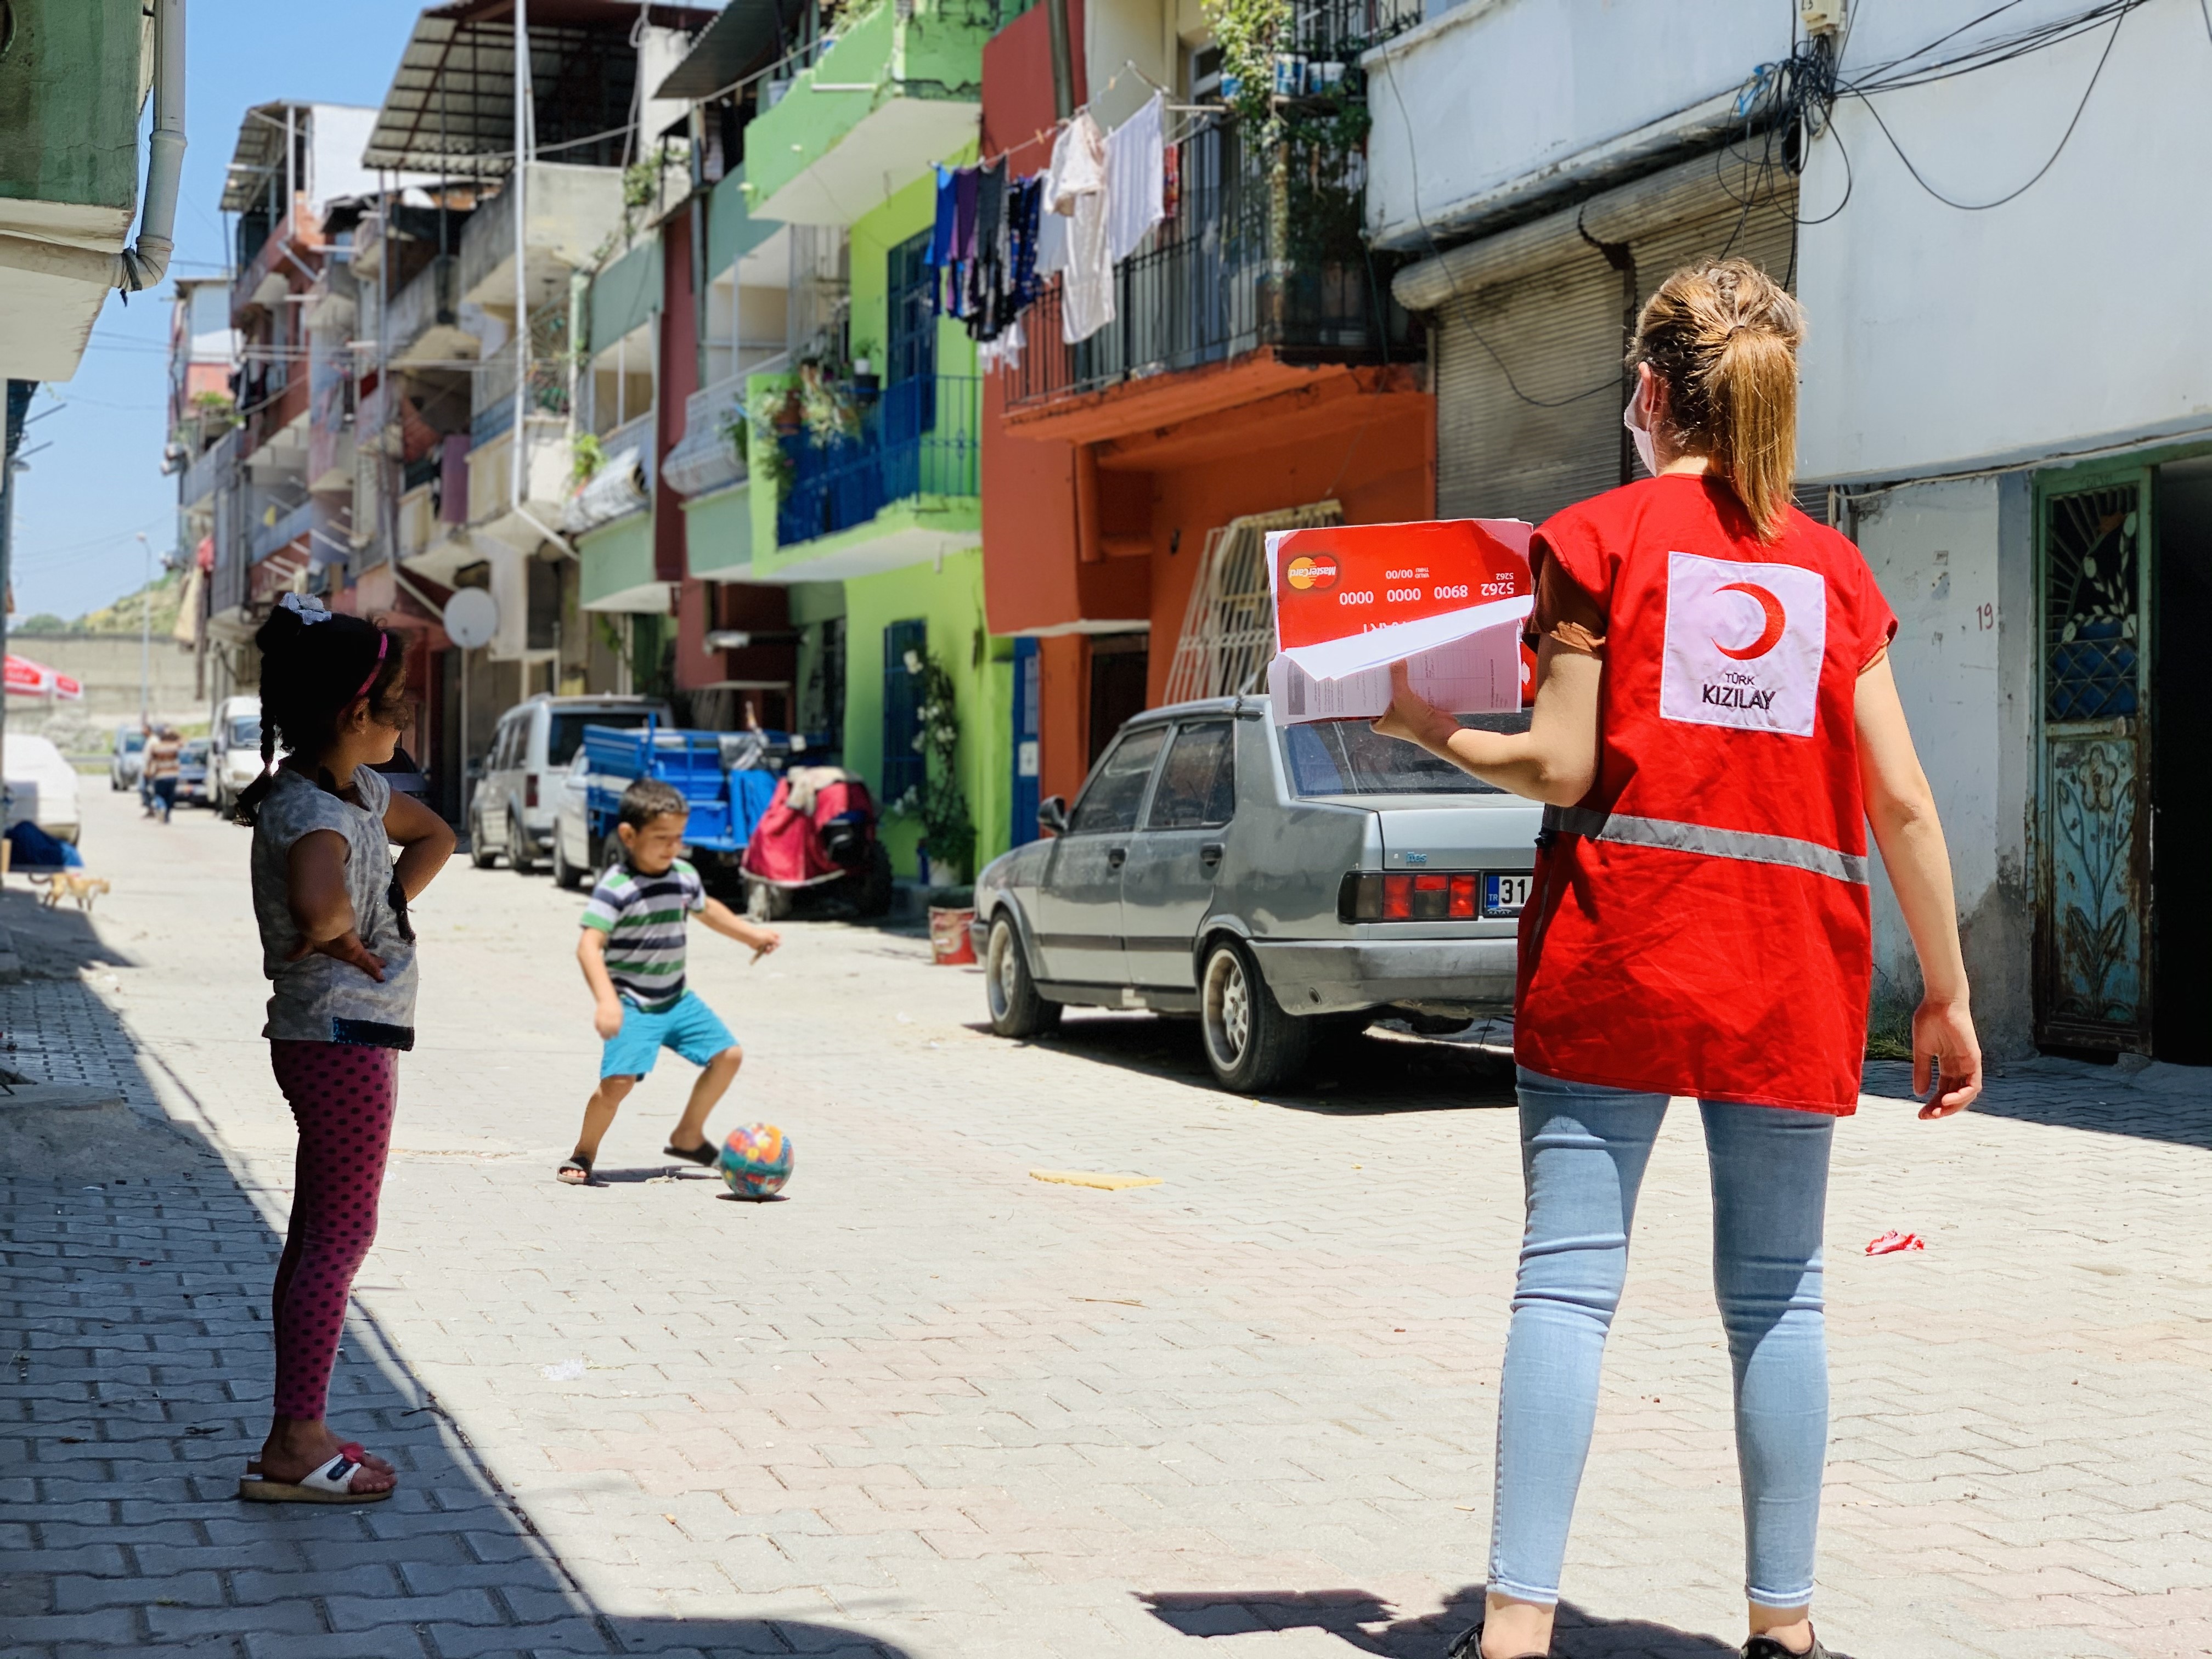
642,917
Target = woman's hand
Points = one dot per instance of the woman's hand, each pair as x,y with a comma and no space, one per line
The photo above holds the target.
1411,718
346,948
1945,1051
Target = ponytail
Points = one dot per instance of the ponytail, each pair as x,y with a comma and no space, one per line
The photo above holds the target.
315,665
1724,338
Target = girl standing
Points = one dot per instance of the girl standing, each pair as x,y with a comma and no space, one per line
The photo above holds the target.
336,941
1714,727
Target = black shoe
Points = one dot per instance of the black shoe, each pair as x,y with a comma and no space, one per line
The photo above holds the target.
1766,1647
1469,1646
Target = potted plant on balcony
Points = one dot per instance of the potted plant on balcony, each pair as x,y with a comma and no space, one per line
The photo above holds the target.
754,432
867,384
826,407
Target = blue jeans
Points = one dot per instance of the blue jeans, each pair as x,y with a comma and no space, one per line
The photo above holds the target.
1584,1149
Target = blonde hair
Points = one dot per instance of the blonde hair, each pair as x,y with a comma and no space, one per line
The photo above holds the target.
1725,337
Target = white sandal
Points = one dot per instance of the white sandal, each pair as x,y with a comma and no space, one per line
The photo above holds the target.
327,1485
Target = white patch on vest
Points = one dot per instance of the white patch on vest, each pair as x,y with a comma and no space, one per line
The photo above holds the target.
1744,644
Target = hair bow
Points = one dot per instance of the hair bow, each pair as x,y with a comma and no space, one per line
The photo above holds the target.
308,609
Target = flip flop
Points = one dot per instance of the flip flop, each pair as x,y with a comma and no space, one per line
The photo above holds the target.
579,1163
706,1152
327,1485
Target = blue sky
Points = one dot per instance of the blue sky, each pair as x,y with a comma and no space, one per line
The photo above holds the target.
100,480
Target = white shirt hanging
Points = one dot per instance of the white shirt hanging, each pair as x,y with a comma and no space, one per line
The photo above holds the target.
1078,187
1136,177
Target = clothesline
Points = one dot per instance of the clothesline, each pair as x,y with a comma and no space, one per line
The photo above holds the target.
1045,134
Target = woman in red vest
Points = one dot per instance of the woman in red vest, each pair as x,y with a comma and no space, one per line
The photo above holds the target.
1715,727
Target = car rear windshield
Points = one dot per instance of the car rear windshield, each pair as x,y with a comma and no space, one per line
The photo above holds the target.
1345,757
567,736
132,742
245,731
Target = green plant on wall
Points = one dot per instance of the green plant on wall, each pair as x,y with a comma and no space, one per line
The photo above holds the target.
587,456
945,818
764,455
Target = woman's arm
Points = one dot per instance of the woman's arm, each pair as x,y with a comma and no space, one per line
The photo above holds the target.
1554,761
1901,809
316,895
425,842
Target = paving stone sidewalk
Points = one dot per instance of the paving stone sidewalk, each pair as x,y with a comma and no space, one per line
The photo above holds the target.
927,1407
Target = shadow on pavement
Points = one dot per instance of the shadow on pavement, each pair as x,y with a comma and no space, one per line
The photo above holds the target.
2170,1104
1349,1075
1364,1622
135,1367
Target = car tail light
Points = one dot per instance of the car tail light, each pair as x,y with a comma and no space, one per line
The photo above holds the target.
530,790
1367,896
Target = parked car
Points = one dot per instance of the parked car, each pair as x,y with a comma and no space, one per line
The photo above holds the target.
233,750
41,785
511,811
126,762
1268,880
193,787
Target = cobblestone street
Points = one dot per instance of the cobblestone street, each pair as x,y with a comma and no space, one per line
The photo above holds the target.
928,1406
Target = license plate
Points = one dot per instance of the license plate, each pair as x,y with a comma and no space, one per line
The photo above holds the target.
1503,896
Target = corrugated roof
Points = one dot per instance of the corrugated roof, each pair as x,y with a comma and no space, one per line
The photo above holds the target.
259,150
746,36
450,108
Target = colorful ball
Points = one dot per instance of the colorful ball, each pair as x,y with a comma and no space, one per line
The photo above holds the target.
755,1160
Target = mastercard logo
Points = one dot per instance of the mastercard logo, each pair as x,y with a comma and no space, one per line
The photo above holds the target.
1310,570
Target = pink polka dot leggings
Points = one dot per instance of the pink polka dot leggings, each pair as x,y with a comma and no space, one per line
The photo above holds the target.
341,1096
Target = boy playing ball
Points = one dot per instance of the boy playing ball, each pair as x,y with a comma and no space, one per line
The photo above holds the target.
632,954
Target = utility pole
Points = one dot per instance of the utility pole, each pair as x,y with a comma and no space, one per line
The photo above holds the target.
145,631
524,123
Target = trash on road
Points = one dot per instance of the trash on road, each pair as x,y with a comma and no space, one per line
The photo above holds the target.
1893,1241
1111,1183
567,1371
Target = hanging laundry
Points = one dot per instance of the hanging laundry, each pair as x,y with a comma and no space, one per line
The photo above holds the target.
985,270
940,232
1136,178
1077,186
1026,201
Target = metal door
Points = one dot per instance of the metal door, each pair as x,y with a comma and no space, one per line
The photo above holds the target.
1167,888
2093,842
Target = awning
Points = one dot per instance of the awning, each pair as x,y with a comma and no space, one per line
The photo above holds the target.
259,152
26,678
747,36
453,96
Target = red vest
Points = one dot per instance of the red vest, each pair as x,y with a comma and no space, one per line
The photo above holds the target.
1699,921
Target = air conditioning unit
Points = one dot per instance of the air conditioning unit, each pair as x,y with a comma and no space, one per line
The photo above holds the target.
1820,17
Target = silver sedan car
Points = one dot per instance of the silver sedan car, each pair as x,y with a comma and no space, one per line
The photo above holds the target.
1267,879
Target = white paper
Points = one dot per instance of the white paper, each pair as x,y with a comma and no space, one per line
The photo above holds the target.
1477,673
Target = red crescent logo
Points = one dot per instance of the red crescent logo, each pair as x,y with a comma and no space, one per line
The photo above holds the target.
1769,636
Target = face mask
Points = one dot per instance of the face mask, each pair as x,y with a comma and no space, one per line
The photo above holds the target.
1642,434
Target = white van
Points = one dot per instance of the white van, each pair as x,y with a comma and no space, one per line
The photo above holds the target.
233,750
512,813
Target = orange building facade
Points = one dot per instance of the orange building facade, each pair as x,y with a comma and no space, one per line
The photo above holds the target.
1231,384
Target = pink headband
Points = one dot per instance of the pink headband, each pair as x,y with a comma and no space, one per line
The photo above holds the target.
383,645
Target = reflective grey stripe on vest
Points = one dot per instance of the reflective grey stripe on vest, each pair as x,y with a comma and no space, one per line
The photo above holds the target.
1751,846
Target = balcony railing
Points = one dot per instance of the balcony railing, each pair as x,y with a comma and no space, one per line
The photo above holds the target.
918,437
1261,248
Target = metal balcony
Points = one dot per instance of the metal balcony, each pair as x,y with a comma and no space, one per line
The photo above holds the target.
918,438
1260,249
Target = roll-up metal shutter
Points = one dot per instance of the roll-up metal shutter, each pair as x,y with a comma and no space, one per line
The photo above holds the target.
1527,366
1527,379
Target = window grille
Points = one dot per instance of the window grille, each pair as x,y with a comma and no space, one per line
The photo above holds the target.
1228,633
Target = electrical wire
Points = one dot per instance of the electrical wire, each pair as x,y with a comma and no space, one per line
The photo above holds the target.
2119,16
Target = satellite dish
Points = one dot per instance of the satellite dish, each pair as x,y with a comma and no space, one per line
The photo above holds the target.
471,618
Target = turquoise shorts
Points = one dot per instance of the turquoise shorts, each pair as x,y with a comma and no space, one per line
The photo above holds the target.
690,1028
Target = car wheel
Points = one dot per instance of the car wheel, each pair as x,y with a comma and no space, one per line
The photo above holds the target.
565,874
1251,1044
1016,1010
481,852
521,857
